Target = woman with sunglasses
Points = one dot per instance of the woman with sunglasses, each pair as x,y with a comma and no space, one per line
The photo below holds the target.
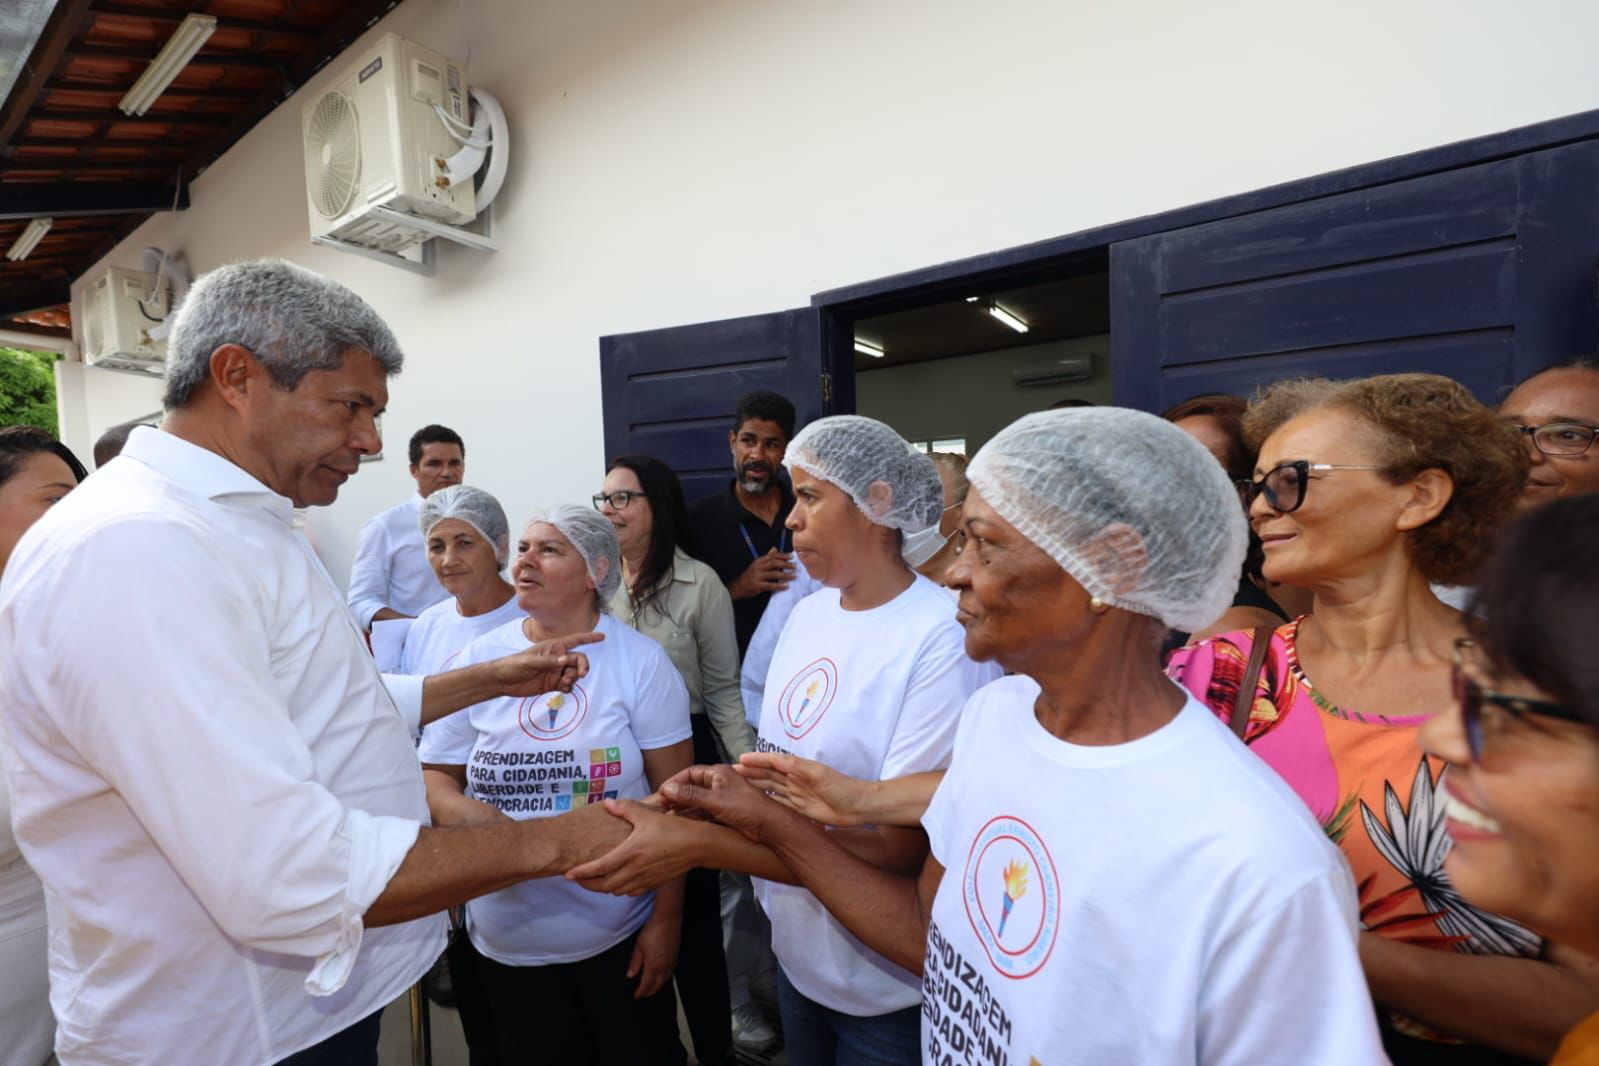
1367,492
1523,750
36,471
681,604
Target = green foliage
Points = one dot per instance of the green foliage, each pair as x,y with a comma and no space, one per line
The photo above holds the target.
28,389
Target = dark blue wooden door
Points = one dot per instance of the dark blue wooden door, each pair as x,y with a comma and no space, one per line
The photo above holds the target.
1484,273
670,393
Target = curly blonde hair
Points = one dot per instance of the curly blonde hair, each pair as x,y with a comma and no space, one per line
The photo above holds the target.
1421,422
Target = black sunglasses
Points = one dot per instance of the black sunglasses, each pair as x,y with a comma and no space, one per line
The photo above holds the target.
1284,484
1472,698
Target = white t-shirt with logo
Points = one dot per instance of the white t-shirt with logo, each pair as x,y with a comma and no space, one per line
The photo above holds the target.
438,634
545,755
873,694
1167,900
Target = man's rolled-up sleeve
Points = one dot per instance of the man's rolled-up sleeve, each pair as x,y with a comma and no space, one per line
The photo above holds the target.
165,689
406,692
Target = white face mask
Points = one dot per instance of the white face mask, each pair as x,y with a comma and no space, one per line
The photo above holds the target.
926,543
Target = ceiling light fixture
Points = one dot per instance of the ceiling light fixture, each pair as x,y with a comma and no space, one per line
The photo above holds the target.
187,39
868,348
29,238
971,299
1006,317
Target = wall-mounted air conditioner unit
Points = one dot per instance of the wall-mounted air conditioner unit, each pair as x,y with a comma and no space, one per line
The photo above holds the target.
1055,371
120,309
376,146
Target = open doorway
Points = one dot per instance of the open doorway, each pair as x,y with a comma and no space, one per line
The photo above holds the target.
949,374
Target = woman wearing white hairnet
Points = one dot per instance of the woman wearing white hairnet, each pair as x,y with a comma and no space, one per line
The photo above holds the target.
571,976
467,540
868,677
1112,878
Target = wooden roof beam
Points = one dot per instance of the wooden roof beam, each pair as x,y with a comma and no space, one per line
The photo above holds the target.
42,61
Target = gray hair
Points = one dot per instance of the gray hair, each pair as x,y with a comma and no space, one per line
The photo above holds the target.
292,320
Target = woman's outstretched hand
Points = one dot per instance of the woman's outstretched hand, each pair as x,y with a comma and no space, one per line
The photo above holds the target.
820,793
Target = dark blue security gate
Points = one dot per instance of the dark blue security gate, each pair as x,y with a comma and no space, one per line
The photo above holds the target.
1483,273
670,393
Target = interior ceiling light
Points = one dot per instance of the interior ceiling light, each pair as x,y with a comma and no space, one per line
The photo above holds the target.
29,238
971,299
868,348
187,39
1006,317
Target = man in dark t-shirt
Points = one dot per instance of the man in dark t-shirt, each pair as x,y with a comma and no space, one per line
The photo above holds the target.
739,532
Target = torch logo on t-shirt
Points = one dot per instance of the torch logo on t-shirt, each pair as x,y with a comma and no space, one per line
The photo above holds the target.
807,697
1012,896
553,715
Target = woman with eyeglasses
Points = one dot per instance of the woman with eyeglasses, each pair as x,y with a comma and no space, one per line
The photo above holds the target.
1216,420
36,472
681,604
1365,493
1522,750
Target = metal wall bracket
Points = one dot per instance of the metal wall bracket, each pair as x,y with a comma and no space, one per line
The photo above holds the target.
480,238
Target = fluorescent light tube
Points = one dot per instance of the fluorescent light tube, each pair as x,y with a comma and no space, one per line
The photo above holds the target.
1006,317
187,39
29,238
867,348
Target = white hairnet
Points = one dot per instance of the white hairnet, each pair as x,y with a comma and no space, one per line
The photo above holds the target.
474,507
592,534
892,483
1065,478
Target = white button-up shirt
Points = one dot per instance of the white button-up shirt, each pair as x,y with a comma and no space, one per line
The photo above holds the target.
391,566
206,770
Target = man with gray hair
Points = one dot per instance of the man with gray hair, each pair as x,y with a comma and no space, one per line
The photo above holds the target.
210,777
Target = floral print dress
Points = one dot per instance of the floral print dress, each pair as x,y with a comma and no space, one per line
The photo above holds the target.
1367,781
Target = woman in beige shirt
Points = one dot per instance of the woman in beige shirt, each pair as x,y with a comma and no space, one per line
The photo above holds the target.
680,603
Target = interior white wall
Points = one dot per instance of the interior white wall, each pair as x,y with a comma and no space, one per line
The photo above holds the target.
974,396
685,160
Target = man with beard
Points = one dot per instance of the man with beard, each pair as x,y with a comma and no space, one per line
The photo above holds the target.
740,532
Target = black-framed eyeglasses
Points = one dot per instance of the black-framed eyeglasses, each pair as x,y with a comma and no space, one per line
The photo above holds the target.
618,500
1560,438
1478,703
1284,484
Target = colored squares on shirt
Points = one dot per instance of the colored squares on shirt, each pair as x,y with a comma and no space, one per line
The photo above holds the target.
1012,896
553,715
564,803
597,769
597,755
580,787
807,696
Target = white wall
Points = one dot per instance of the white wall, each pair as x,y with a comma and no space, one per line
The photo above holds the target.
974,396
685,160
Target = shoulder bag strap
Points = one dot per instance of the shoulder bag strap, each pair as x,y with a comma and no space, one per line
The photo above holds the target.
1245,700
